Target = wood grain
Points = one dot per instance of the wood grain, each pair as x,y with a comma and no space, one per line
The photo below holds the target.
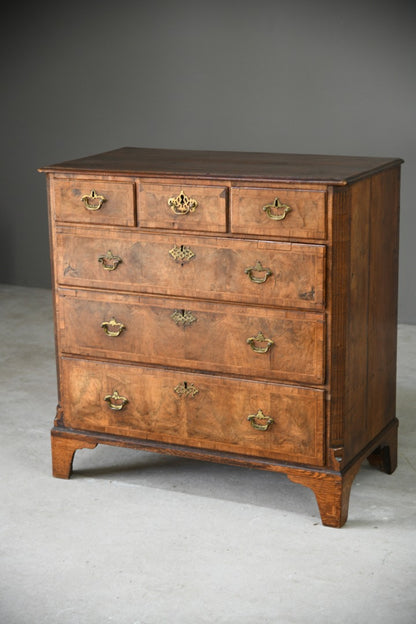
215,341
362,301
216,270
195,389
382,306
318,168
332,490
63,451
117,209
210,215
215,417
306,219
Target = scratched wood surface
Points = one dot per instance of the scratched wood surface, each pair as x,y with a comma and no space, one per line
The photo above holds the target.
194,409
192,266
205,336
312,346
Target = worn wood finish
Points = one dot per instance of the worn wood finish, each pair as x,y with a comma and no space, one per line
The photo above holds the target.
117,207
364,315
305,219
384,456
382,299
318,401
215,340
195,267
302,168
354,408
331,489
63,451
197,410
209,215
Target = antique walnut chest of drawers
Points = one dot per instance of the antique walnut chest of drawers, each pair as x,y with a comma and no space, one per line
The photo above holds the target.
231,307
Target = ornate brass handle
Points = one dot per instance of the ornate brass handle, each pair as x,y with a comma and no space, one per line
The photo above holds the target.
115,401
113,327
258,268
182,204
260,338
278,205
253,418
93,201
109,262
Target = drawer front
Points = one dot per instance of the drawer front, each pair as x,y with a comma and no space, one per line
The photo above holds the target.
94,201
273,344
272,273
199,410
182,207
279,213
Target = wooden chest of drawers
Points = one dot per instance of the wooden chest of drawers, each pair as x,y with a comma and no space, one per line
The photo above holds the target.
232,307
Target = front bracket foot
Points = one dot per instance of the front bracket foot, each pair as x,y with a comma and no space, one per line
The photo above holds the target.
63,451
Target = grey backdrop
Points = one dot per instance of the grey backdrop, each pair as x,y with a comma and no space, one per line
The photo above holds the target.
293,76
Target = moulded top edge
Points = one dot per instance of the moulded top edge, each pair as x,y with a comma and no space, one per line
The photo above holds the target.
250,166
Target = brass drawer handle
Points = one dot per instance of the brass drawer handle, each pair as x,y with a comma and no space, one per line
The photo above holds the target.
115,401
258,268
186,389
276,205
183,317
109,262
181,253
113,327
182,204
260,338
93,201
253,418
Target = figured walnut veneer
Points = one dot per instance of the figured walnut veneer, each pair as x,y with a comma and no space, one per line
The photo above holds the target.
233,307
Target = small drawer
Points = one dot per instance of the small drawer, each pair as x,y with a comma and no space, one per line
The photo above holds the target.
197,410
94,201
280,274
279,213
182,207
248,341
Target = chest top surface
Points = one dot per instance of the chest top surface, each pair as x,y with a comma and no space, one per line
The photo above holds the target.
321,169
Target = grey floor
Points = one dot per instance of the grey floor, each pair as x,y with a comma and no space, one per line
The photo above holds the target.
138,538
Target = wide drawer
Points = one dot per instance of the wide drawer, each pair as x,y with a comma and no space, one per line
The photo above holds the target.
182,206
260,272
280,213
101,202
199,410
252,341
